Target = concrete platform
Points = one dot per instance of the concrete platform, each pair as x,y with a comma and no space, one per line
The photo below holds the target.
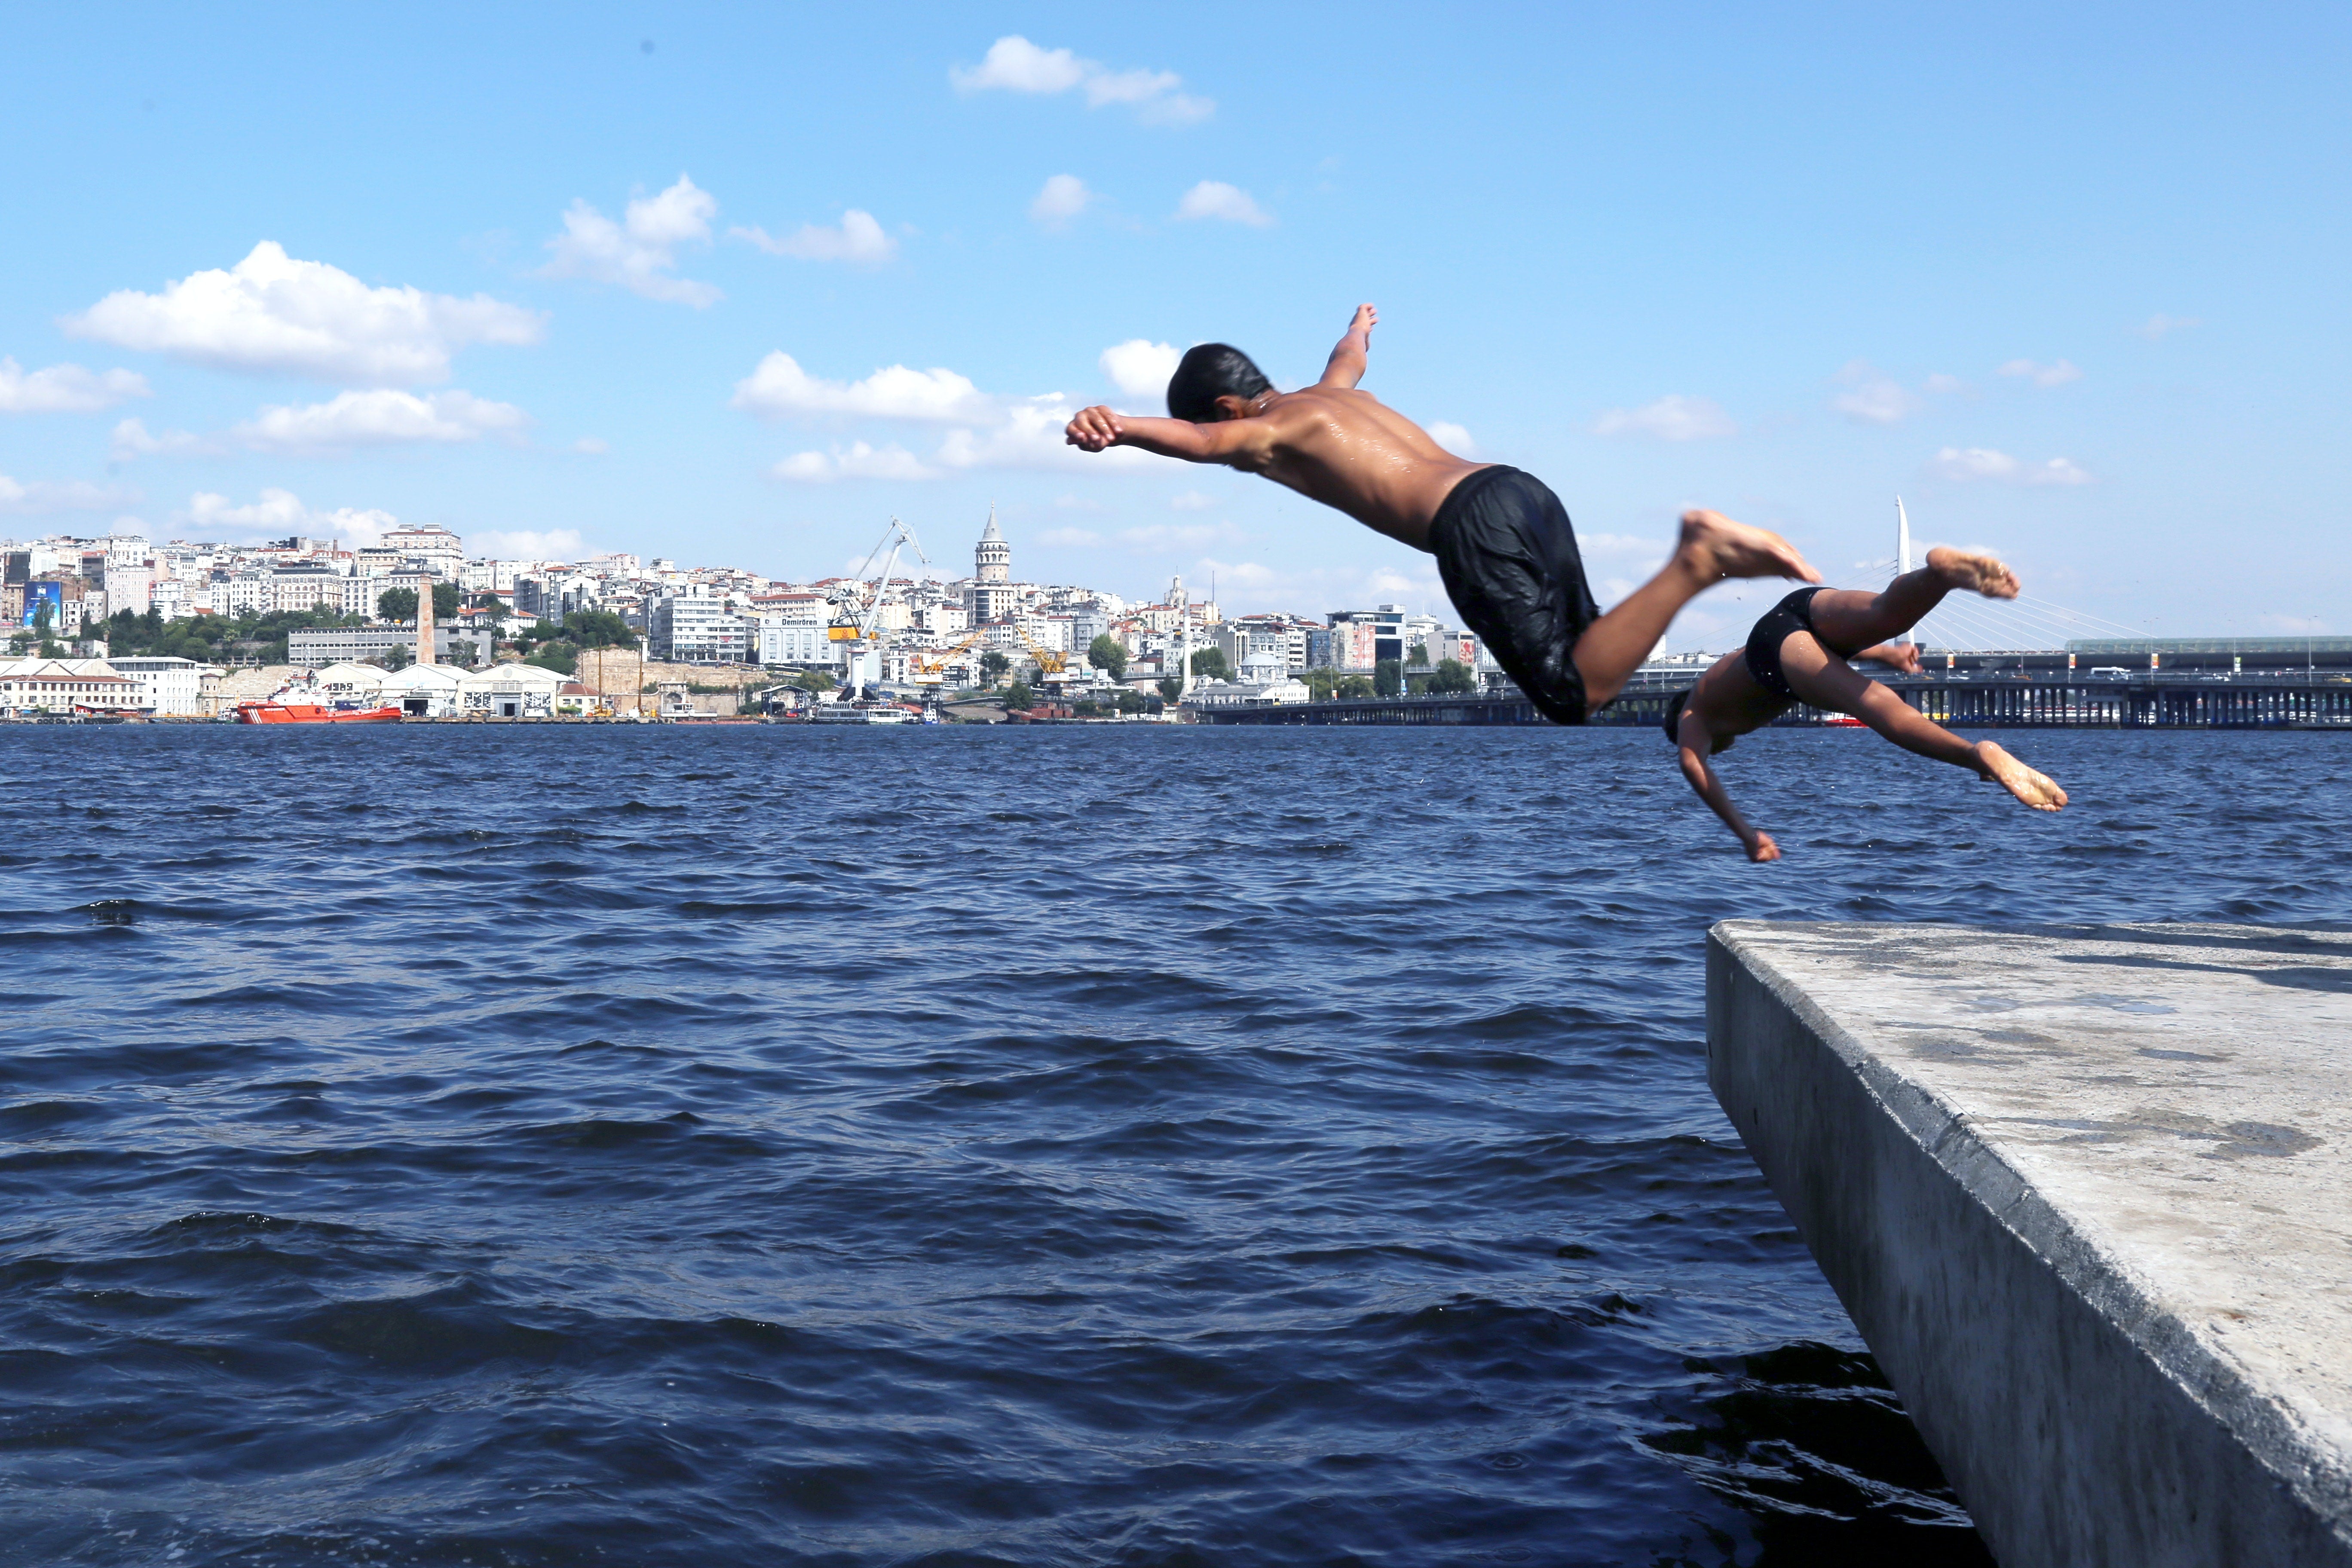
2087,1193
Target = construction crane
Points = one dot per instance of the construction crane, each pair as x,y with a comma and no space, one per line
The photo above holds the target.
932,670
858,608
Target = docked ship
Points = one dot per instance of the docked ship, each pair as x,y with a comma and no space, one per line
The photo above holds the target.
862,713
276,712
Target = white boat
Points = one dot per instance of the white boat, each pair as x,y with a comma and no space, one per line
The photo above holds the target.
861,713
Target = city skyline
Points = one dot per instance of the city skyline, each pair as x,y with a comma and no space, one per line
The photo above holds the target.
737,288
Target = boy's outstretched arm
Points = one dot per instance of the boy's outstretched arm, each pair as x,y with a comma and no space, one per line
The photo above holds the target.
1346,366
1226,441
1692,736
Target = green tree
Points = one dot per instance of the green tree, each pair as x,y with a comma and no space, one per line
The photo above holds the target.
1171,689
1354,689
559,657
447,598
1018,698
1388,677
1107,654
598,629
1209,664
45,619
396,657
1419,656
398,604
463,652
815,680
1453,678
993,666
1132,702
1319,683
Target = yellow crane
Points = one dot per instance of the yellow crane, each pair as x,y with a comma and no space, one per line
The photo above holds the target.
930,672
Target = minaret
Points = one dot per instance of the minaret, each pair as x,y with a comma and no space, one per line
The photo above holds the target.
424,653
1903,547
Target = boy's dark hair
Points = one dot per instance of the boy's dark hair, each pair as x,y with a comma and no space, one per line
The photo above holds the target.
1208,372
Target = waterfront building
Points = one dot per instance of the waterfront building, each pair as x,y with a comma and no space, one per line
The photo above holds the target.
785,641
425,690
67,686
167,685
513,691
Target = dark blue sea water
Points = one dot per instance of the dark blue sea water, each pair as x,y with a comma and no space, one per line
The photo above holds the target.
710,1146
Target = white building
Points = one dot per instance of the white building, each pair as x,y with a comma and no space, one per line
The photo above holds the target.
512,691
783,641
67,686
166,685
429,690
687,631
442,552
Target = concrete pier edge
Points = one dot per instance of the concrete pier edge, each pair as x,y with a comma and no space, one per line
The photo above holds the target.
2081,1421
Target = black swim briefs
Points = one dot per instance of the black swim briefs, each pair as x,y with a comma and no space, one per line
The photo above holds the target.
1793,613
1509,558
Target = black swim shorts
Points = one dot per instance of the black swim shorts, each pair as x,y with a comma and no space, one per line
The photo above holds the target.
1508,559
1793,613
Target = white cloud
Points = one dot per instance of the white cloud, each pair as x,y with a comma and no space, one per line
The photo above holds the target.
1140,367
525,544
591,446
274,315
131,440
779,387
66,389
1875,399
1984,463
1452,438
2057,374
1670,419
383,417
639,252
1228,204
2293,626
1192,500
1028,435
1014,64
21,499
282,513
2155,328
858,239
1161,536
855,461
1060,199
1070,538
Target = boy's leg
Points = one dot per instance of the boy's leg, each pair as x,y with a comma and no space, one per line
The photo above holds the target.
1832,684
1711,549
1846,618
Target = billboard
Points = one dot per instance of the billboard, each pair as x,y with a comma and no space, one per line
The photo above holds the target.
53,595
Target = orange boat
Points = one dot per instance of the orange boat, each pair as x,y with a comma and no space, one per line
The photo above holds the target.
312,714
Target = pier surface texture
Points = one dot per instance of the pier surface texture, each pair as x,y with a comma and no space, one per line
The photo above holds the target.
2087,1193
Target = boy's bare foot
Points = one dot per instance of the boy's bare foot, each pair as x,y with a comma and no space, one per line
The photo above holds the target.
2037,790
1718,547
1968,569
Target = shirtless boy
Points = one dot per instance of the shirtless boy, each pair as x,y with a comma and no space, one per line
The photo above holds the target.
1502,539
1798,653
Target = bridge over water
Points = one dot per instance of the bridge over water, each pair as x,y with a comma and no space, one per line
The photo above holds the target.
1980,699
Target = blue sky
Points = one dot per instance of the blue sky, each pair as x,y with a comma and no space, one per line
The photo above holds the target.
2069,280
